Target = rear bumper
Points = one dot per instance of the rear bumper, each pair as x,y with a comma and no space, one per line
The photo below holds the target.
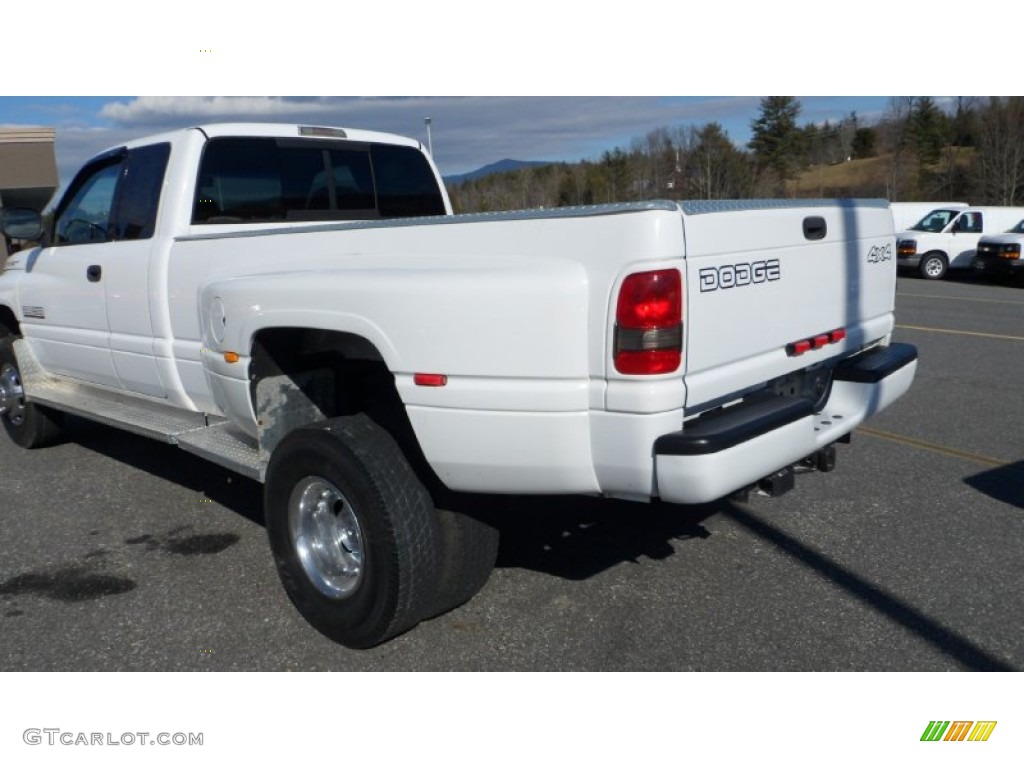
733,448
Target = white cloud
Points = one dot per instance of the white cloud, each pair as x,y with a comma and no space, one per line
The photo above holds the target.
148,109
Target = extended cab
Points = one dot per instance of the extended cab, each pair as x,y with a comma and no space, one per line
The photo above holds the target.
299,305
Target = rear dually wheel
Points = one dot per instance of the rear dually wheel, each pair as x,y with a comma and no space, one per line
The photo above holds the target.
353,531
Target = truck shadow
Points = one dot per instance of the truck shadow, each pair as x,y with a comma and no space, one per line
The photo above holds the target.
1005,484
570,537
168,462
576,538
959,648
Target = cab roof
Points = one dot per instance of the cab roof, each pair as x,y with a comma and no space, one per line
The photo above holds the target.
278,130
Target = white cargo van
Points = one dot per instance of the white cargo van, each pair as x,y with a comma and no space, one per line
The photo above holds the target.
947,238
1000,255
906,215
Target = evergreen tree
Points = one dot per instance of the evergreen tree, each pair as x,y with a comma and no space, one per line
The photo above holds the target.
776,141
864,141
964,123
929,130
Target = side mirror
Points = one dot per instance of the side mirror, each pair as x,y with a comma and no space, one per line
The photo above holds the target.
21,223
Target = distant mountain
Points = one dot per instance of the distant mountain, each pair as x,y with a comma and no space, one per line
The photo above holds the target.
498,167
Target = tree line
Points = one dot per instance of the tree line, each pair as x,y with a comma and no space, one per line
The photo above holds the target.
970,149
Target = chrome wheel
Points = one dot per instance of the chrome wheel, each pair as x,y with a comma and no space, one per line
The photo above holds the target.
12,395
327,536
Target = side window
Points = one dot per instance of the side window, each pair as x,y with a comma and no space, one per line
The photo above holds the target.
239,181
405,184
85,215
139,195
968,222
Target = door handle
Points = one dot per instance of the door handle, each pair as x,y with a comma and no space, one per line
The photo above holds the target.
94,273
815,228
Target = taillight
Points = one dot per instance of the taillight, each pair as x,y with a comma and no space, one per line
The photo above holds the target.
649,323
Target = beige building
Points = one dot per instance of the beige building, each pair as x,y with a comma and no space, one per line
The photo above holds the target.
28,169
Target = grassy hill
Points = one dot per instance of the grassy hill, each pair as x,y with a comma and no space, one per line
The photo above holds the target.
869,177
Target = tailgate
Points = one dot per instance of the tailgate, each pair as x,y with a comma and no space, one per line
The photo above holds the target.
762,275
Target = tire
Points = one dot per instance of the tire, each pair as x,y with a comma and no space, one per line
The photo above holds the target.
469,549
29,425
933,265
352,530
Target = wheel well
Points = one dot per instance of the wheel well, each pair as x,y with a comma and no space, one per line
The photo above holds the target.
300,376
9,325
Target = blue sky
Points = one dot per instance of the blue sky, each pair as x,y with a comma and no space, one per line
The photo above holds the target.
535,80
467,132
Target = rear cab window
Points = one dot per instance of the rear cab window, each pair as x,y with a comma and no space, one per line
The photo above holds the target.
245,180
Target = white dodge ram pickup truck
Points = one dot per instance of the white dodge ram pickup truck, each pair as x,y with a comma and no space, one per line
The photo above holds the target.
299,305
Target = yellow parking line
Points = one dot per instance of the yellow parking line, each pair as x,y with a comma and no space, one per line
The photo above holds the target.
914,442
960,333
956,298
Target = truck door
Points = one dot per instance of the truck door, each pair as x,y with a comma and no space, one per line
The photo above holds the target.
86,302
965,233
63,297
128,265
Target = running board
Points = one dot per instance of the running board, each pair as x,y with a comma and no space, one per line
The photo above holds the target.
226,445
211,437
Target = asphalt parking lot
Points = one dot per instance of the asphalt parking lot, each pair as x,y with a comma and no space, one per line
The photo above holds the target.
117,553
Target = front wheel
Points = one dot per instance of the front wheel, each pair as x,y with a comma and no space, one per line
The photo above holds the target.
353,531
933,266
27,424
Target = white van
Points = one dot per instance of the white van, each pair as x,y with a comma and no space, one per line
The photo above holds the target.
1000,255
906,215
947,238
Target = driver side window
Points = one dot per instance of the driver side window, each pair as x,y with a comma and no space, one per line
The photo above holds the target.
86,217
968,222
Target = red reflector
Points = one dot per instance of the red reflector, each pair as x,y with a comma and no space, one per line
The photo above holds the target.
819,341
799,347
649,361
430,379
651,300
837,335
